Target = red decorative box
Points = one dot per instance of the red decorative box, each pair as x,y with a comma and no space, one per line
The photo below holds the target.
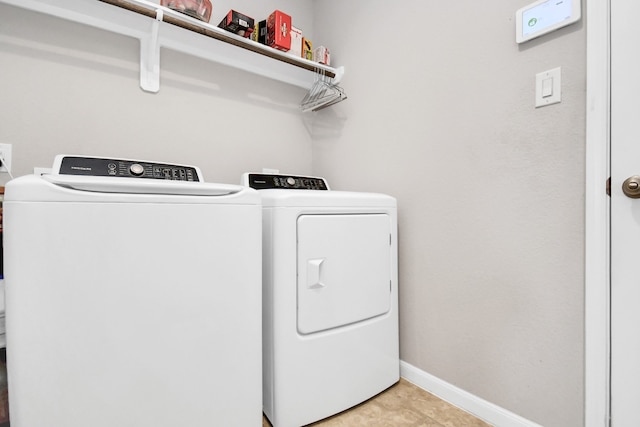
279,31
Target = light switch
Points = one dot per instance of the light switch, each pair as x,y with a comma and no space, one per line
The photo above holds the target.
548,87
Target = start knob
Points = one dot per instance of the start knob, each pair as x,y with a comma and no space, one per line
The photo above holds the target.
291,181
136,169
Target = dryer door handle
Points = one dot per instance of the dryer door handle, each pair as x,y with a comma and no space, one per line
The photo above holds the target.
314,273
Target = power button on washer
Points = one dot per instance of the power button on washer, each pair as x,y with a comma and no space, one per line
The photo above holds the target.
136,169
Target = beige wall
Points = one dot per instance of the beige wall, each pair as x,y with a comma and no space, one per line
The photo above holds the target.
490,190
440,115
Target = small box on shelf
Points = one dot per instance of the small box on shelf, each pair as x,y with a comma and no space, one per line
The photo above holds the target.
262,35
279,31
322,55
296,42
199,9
307,49
237,23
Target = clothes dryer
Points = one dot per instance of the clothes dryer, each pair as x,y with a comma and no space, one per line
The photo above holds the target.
133,297
330,297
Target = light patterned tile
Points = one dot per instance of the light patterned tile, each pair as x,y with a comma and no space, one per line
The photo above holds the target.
402,405
427,422
433,407
371,414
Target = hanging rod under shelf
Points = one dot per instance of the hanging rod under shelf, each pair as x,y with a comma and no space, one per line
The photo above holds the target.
213,32
174,30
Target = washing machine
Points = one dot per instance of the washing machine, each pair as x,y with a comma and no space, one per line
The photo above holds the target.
330,297
133,297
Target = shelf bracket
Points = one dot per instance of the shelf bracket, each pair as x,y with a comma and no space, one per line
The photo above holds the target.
150,56
339,75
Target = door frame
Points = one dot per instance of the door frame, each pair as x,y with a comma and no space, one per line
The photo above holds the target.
597,216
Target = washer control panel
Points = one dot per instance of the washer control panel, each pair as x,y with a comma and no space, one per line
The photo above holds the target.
261,181
94,166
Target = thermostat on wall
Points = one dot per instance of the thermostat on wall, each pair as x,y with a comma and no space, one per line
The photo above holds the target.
545,16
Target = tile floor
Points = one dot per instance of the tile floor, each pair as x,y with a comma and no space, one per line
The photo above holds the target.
402,405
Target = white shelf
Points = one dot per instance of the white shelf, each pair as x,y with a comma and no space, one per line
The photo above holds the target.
156,26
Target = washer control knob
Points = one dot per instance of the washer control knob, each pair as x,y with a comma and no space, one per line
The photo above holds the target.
291,181
136,169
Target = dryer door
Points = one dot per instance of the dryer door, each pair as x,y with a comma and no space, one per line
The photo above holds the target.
344,269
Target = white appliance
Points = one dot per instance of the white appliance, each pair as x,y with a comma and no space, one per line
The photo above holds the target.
133,297
330,305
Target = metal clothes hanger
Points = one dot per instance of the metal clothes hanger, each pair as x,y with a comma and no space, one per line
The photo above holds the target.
323,93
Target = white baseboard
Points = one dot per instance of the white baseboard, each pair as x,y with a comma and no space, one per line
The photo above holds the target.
466,401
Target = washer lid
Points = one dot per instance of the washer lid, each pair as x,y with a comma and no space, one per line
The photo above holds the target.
97,189
344,269
137,186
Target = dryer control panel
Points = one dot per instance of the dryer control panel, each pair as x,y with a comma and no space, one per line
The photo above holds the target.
261,181
95,166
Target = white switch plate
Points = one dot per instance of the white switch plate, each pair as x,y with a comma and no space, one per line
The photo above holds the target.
556,87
